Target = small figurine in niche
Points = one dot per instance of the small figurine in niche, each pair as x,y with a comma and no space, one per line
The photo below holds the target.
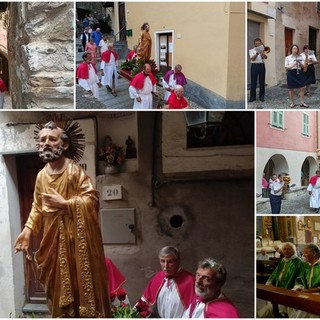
131,151
107,142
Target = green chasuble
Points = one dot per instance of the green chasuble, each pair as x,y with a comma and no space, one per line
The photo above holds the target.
286,272
310,276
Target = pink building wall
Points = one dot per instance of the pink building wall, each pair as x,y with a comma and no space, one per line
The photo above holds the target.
291,137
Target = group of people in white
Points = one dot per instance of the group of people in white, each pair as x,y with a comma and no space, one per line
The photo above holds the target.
142,87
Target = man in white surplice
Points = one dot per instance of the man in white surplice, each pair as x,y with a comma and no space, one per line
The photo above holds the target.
87,76
314,191
141,88
108,66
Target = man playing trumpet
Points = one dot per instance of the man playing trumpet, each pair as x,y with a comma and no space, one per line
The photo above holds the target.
258,70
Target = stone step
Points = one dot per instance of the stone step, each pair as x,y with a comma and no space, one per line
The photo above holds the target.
36,310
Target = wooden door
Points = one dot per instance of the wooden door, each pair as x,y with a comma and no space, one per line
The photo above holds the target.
27,168
122,21
288,38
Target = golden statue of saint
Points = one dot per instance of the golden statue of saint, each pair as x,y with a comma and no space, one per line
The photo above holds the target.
145,43
70,262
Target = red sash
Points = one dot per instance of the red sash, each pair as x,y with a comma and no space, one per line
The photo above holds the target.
313,180
83,70
138,80
218,308
185,285
107,54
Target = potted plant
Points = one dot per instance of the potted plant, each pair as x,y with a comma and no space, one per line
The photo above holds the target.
111,156
121,309
130,68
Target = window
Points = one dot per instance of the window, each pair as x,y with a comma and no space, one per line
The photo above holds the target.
277,120
305,124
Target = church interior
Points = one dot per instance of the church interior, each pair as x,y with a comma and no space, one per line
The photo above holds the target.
272,233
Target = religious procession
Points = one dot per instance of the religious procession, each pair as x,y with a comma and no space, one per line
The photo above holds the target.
146,64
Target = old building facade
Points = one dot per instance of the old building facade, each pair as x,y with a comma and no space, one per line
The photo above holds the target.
287,142
279,25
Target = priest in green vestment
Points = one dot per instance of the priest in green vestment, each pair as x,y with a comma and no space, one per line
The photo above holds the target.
284,276
309,278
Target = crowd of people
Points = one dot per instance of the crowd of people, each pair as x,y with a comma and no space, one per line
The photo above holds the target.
299,68
142,88
294,272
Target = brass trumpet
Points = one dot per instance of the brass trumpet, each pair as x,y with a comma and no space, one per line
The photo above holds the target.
266,50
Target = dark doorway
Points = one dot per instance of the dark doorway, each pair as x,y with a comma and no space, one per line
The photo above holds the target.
165,52
28,167
313,39
288,39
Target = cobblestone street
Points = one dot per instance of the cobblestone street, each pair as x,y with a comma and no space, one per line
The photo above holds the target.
297,205
277,97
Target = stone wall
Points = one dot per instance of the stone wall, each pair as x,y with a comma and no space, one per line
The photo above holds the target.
41,54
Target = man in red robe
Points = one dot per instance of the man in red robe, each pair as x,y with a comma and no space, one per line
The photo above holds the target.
209,302
141,88
108,66
171,289
132,55
87,77
176,99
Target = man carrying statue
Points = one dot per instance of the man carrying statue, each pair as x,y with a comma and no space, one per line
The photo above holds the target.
70,262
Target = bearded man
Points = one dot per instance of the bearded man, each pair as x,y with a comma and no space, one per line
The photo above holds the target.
209,301
70,261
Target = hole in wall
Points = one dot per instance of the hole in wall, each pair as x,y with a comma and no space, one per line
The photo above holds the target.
176,221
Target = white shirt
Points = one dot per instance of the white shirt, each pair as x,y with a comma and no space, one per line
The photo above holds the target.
312,58
291,63
169,304
253,53
275,186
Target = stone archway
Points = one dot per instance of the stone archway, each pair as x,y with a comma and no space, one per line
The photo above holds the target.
278,164
308,169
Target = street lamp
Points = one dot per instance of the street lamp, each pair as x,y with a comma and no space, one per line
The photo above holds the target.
203,123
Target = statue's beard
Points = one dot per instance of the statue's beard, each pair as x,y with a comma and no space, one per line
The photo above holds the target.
50,155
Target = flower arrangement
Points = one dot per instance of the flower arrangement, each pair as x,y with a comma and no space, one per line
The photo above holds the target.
123,310
137,67
110,153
